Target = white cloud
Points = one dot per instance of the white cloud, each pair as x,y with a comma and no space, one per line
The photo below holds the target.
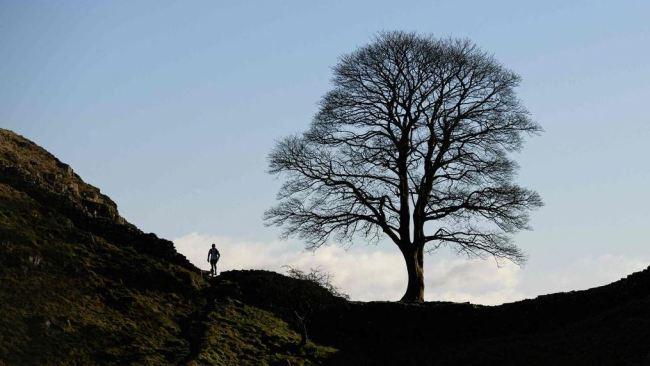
365,273
477,281
375,273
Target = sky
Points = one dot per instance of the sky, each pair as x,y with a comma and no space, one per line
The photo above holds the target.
172,107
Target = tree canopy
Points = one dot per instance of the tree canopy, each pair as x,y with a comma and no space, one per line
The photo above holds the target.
413,143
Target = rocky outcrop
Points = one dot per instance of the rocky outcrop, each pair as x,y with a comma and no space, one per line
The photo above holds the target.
29,168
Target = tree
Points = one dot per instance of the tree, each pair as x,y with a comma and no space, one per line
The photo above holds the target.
309,302
413,144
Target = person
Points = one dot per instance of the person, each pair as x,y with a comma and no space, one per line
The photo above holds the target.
213,258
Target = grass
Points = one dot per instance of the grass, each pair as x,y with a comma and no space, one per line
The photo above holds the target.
246,335
72,295
78,287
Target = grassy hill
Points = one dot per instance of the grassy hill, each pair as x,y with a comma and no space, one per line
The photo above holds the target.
80,285
608,325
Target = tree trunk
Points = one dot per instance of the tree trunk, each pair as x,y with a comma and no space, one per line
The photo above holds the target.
415,270
303,335
302,322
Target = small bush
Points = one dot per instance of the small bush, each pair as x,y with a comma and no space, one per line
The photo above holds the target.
318,276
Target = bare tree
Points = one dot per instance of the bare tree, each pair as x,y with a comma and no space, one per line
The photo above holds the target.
412,143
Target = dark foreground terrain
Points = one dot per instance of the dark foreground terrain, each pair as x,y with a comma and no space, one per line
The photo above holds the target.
80,285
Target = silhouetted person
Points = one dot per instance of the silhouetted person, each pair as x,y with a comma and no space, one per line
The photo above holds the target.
213,258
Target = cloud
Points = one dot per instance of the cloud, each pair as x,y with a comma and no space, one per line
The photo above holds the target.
369,273
365,273
476,281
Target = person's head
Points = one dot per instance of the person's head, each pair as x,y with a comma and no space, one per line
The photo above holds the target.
213,245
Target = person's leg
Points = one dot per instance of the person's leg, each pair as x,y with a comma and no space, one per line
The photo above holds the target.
213,269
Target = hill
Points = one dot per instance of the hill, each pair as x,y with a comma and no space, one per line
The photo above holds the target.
608,325
81,285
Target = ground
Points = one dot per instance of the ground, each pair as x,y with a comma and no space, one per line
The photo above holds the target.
80,285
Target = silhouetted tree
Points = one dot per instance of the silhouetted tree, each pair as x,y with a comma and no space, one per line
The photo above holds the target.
411,143
305,302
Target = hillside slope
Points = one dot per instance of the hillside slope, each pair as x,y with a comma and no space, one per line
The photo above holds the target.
80,285
608,325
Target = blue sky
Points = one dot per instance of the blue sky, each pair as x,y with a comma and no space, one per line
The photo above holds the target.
171,107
